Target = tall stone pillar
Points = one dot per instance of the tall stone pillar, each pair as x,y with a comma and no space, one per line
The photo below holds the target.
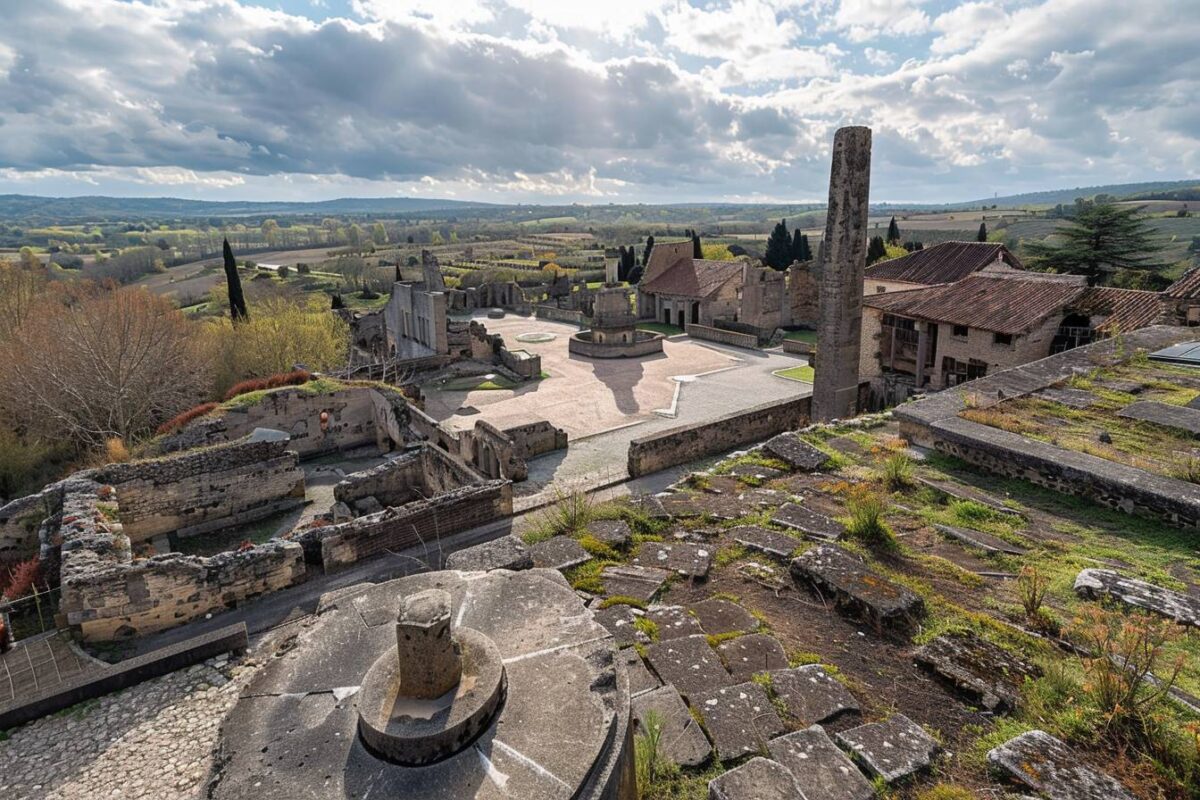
844,257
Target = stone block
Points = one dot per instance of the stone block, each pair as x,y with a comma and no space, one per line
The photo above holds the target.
613,532
773,543
750,654
892,750
641,679
740,719
822,771
507,552
673,622
558,552
1037,760
719,616
984,541
688,664
633,581
757,779
808,522
618,620
368,505
989,675
685,558
1097,583
683,742
810,694
1179,418
1072,398
795,452
856,588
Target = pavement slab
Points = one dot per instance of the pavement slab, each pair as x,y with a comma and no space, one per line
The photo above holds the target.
750,654
641,679
984,541
740,719
688,664
810,694
613,532
618,620
808,522
755,471
674,622
1037,760
822,771
685,558
773,543
757,779
633,581
856,588
1180,418
718,616
795,452
507,552
988,674
1072,398
892,750
682,740
1097,583
558,552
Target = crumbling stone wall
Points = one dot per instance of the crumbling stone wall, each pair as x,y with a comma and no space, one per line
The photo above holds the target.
206,489
723,336
556,314
690,442
420,523
21,519
536,438
803,292
424,472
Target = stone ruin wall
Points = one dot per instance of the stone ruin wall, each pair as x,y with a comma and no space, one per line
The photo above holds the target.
722,336
423,472
690,442
203,490
536,438
490,347
106,595
422,523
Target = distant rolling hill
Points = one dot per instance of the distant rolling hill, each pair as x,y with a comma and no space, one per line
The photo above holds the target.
1158,190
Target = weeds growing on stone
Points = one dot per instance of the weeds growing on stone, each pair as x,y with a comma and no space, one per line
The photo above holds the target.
865,521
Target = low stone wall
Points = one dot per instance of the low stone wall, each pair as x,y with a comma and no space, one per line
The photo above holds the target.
797,347
690,442
647,344
537,438
422,522
208,489
21,519
560,315
723,337
394,483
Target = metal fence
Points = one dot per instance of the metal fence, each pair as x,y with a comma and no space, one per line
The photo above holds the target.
31,615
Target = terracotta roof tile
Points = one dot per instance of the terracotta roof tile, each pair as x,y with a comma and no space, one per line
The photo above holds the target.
1186,287
693,277
1124,309
942,263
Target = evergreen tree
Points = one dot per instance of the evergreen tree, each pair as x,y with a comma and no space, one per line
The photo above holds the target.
697,251
982,235
237,301
800,249
779,247
893,234
807,253
646,252
1100,240
876,250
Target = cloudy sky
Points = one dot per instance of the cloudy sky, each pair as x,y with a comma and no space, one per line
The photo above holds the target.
592,100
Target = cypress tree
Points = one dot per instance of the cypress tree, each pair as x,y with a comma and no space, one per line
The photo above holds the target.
779,247
876,249
697,252
893,234
982,235
806,253
237,301
646,252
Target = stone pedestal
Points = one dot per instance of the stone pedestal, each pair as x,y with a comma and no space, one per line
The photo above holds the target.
430,664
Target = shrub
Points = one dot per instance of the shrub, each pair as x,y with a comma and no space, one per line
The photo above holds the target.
115,450
179,420
866,522
296,377
896,470
21,579
1031,589
570,512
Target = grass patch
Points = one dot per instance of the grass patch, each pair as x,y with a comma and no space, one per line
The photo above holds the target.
659,327
803,374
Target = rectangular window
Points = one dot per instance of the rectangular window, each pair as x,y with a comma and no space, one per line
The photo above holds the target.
960,331
880,289
1003,338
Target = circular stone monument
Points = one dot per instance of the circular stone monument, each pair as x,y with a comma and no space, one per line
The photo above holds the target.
534,337
463,685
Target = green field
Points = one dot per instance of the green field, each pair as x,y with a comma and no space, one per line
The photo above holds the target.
659,327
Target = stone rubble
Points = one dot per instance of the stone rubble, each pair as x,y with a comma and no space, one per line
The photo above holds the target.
891,750
757,779
740,719
822,771
810,694
1096,583
795,452
1039,761
988,674
808,522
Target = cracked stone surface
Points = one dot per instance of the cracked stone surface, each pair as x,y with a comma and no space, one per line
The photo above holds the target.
1097,583
808,522
686,558
640,678
752,653
682,739
613,532
633,581
718,616
689,664
989,675
772,543
984,541
757,779
673,622
558,552
1039,761
618,620
155,740
795,452
891,750
855,587
810,694
1180,418
740,719
507,552
822,771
